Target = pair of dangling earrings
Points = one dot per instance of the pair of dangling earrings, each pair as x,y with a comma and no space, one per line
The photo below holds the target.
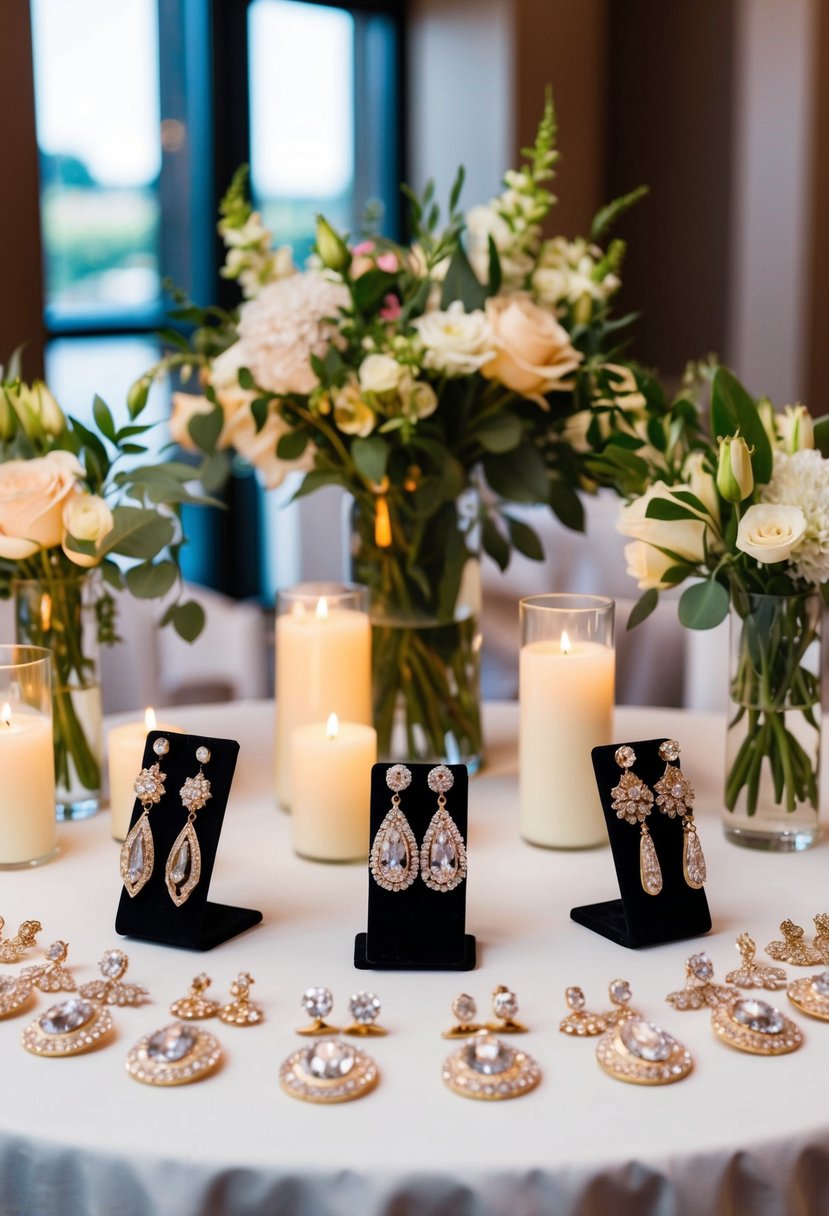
183,869
633,801
395,859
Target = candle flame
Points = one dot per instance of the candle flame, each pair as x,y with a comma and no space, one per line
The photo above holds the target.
150,719
566,645
332,727
322,609
6,714
382,524
45,612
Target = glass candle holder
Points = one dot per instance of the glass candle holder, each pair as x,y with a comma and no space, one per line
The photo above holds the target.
27,767
323,664
566,693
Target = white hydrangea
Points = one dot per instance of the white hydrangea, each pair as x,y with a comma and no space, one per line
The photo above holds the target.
802,480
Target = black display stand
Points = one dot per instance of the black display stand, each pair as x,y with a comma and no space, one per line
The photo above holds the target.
417,929
151,914
639,919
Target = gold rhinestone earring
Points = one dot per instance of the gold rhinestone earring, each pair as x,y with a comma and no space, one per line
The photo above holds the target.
394,859
820,942
196,1004
700,989
505,1010
13,948
51,975
793,948
241,1011
138,851
632,801
110,990
751,974
183,869
443,852
675,796
580,1021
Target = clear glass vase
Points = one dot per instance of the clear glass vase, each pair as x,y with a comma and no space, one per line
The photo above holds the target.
425,589
774,729
60,614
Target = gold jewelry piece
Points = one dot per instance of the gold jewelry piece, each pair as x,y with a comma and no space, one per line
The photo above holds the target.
183,869
138,851
318,1003
632,801
69,1028
620,996
756,1027
820,942
793,948
394,861
639,1053
110,990
13,948
505,1009
175,1055
51,975
700,989
488,1069
465,1010
810,995
443,852
15,994
365,1008
580,1021
195,1005
328,1071
241,1011
751,974
675,796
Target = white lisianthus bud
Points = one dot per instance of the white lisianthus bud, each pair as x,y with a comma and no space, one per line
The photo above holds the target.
380,374
735,476
47,409
796,429
331,247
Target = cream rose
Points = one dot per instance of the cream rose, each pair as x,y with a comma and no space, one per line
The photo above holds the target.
457,342
770,531
32,497
86,517
533,352
380,374
684,537
647,565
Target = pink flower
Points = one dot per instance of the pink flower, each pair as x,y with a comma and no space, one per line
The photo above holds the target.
363,248
391,309
387,262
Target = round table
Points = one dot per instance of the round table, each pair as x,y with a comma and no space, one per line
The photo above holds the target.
741,1134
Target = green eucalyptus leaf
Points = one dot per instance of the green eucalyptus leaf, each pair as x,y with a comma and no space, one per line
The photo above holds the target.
566,505
151,581
138,532
103,418
205,429
188,620
519,475
643,607
704,605
317,479
246,380
524,539
292,445
495,543
259,410
370,289
500,433
371,456
137,396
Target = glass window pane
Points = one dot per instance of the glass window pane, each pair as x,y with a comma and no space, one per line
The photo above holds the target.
98,122
301,117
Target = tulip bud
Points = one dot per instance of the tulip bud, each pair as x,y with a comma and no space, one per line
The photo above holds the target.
735,476
332,248
47,409
796,429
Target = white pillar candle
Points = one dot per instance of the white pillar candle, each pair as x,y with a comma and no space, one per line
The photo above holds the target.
566,695
323,664
331,764
27,786
125,750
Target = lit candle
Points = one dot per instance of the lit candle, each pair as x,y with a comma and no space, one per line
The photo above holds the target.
27,786
323,663
331,765
125,750
566,696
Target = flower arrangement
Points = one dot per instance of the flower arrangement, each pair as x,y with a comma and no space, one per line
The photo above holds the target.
735,500
410,375
73,499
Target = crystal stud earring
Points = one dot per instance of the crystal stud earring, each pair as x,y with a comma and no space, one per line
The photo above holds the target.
365,1008
138,851
394,859
174,1055
579,1021
465,1010
700,989
13,948
51,975
632,801
675,796
505,1010
110,990
196,1004
183,869
443,852
241,1011
318,1003
489,1070
751,974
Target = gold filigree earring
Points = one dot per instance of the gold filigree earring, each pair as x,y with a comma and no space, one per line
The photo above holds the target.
633,801
138,850
675,796
183,869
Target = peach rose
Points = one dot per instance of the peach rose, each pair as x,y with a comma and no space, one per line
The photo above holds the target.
33,494
533,353
86,517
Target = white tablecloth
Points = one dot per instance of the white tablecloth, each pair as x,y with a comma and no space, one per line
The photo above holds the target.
742,1135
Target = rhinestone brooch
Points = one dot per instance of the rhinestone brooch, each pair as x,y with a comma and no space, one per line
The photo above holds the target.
327,1072
175,1055
756,1027
69,1028
487,1069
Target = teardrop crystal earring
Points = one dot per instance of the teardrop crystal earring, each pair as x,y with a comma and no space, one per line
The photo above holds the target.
675,796
394,859
632,800
183,869
443,852
138,851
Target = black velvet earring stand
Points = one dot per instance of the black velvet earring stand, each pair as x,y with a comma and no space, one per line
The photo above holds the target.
151,914
417,929
639,919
